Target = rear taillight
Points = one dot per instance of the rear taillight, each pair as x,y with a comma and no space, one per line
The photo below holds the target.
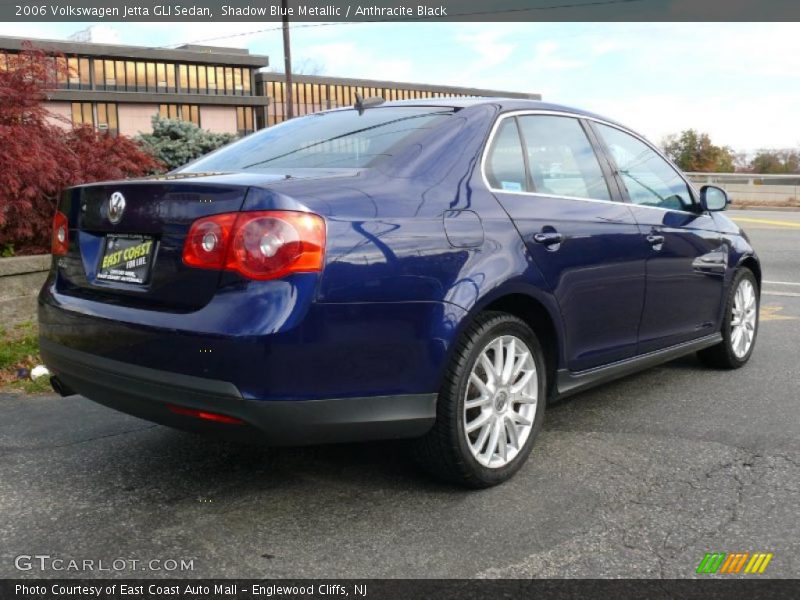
207,243
258,245
60,244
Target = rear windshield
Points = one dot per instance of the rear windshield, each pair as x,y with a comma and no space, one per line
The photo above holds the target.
338,139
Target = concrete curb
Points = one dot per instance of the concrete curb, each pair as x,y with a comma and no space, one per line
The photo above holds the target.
21,278
19,265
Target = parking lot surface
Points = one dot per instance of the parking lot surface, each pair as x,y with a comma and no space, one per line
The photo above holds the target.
637,478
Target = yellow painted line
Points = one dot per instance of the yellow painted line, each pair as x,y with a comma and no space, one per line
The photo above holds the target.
771,312
767,222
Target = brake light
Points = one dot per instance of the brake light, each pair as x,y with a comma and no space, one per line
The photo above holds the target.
207,242
205,415
60,242
258,245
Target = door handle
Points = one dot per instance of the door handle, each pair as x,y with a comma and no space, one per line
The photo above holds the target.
548,238
655,239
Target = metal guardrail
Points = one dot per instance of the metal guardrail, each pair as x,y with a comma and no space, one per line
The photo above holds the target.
754,188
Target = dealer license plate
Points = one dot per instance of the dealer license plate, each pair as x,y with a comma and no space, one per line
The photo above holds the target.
126,258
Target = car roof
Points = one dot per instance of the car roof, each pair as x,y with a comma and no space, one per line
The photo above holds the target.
505,104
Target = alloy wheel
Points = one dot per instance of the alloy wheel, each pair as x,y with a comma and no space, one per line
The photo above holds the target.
500,401
743,320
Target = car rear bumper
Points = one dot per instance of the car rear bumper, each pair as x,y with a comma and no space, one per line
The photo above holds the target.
149,394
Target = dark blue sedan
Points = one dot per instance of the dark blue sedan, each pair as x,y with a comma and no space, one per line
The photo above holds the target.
435,270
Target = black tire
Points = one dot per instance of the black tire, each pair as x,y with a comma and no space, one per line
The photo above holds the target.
722,356
443,451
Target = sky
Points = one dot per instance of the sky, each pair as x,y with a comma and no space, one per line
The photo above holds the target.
738,82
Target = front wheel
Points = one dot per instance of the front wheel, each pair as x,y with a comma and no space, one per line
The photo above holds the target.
491,405
739,327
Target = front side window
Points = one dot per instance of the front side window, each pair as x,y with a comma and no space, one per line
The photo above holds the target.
561,159
339,139
649,179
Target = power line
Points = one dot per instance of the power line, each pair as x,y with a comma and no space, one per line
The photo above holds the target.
430,19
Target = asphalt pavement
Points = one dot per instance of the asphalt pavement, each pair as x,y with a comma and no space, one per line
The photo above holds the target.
637,478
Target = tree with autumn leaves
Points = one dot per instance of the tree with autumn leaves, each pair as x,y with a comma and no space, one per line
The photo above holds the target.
39,158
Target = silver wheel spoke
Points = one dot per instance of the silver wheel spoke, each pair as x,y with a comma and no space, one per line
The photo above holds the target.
518,418
521,360
511,428
508,364
488,367
524,399
502,445
491,447
481,441
520,385
498,357
479,422
480,384
478,402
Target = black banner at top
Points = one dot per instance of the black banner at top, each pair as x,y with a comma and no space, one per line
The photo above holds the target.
399,10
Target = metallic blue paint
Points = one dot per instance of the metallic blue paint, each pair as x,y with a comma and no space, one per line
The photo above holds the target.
415,248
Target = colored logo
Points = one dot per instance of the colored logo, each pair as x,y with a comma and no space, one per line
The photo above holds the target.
734,563
116,206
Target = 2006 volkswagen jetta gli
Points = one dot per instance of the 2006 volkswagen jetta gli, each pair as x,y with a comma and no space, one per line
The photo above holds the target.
433,270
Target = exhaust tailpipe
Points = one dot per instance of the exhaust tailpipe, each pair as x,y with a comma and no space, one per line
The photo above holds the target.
61,388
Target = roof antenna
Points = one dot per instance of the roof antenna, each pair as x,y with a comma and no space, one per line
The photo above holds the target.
363,104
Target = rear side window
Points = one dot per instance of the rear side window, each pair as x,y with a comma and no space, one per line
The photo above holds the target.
561,159
505,167
649,179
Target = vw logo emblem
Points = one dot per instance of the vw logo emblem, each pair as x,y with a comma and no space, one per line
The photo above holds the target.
116,206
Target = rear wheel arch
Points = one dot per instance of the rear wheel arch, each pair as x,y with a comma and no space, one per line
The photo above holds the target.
535,313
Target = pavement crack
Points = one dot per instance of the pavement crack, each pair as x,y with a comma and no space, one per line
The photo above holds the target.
8,451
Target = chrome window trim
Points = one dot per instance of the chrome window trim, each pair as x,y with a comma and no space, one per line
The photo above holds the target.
557,113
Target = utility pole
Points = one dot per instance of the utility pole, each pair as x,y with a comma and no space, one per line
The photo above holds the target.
287,61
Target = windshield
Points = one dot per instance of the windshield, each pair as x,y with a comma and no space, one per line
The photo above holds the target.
338,139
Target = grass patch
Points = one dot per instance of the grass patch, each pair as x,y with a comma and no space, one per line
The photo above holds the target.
19,349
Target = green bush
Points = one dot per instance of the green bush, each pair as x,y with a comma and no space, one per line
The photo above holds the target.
176,143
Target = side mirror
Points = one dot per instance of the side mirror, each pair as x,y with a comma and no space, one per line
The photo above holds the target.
713,198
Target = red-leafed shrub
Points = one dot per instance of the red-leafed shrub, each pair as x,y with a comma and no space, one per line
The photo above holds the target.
39,158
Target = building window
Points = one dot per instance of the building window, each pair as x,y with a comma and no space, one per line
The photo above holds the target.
202,85
220,79
141,77
107,119
182,112
193,78
100,74
151,77
247,75
170,68
212,80
82,113
130,76
244,120
101,115
183,78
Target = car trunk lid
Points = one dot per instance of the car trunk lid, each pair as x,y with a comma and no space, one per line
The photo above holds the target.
126,240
